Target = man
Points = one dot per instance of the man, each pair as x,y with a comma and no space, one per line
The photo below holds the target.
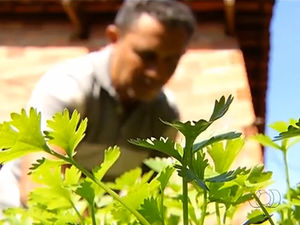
119,89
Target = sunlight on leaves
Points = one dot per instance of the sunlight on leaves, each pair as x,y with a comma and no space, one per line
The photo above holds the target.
195,211
289,134
128,180
174,207
265,141
72,176
41,215
214,139
57,192
292,141
251,179
228,150
158,164
54,197
279,126
21,136
16,216
111,155
47,172
46,164
66,132
141,197
292,131
134,198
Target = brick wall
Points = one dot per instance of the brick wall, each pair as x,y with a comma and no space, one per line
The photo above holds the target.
214,66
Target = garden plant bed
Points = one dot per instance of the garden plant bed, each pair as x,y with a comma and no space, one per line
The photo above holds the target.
162,200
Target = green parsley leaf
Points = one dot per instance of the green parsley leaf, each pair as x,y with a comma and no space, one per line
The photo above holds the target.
163,145
21,136
228,150
111,155
150,210
86,191
158,164
221,107
66,132
227,136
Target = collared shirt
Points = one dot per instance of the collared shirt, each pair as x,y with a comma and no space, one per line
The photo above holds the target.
84,84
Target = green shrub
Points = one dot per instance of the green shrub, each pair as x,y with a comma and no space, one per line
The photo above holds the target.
187,189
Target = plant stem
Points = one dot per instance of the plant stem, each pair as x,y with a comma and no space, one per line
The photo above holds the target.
113,194
185,204
162,206
263,209
78,213
225,216
204,207
186,158
93,214
103,186
218,213
288,183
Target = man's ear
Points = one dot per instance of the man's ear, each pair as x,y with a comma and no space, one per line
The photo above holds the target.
112,33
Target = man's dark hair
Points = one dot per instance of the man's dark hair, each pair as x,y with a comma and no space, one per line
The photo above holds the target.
168,12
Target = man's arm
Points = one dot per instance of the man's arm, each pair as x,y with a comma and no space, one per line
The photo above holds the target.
53,93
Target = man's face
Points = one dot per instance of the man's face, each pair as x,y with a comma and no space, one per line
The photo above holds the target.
145,58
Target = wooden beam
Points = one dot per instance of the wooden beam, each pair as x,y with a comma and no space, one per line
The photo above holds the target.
72,8
229,7
109,6
98,6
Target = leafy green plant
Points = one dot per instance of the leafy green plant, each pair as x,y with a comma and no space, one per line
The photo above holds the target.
289,135
204,183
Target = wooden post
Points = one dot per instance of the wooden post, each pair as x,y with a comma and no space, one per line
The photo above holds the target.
75,15
229,7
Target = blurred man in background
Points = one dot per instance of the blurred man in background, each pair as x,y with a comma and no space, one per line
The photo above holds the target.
119,89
